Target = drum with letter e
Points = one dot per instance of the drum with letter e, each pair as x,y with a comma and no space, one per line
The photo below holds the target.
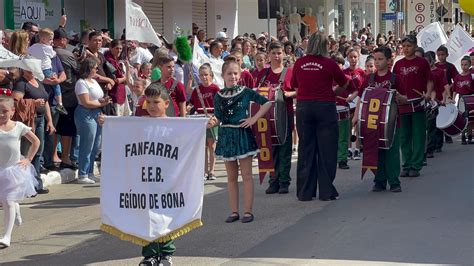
413,106
465,104
343,112
450,120
276,117
378,116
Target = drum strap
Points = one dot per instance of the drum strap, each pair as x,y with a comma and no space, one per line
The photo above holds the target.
173,86
201,99
281,80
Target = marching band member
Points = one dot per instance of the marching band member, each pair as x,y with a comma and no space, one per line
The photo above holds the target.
463,85
441,87
356,75
418,82
344,125
271,76
450,70
316,119
388,165
204,95
236,139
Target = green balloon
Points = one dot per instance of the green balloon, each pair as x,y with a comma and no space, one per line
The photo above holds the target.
155,74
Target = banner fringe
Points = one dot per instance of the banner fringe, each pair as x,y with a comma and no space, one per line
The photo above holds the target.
142,242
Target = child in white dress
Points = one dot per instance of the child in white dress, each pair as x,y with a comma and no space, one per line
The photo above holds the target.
16,173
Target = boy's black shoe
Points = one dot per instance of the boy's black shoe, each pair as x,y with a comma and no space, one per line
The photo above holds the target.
449,140
429,155
395,188
413,173
72,166
150,261
273,187
343,165
378,187
166,260
283,188
42,191
438,150
404,173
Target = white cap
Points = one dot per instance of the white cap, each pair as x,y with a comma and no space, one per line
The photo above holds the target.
261,36
221,35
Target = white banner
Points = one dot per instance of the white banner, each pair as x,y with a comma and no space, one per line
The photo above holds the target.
420,13
9,59
431,37
152,177
137,25
459,44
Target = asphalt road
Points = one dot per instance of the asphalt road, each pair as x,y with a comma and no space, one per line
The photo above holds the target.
430,222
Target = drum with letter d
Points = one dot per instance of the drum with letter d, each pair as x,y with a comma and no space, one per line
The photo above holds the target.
277,116
378,112
450,120
466,106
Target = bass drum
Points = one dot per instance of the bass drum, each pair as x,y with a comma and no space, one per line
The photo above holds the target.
281,118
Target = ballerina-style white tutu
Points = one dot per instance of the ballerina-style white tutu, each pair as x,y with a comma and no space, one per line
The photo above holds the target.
17,183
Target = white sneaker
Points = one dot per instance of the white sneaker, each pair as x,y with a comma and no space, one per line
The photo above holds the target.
357,155
94,178
85,180
4,242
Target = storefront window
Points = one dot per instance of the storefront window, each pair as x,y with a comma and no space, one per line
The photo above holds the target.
299,18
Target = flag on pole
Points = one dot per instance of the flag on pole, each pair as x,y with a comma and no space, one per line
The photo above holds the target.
199,58
9,59
137,25
459,44
431,37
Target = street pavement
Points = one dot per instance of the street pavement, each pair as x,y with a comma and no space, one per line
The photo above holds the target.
430,222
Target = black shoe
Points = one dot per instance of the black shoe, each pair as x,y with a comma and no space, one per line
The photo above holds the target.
283,188
331,198
438,150
42,191
405,173
43,170
61,110
232,218
211,176
51,167
395,188
150,261
72,166
463,141
429,155
449,140
343,165
413,173
248,218
273,187
378,187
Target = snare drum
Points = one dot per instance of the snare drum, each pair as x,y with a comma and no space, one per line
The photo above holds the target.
465,105
413,106
343,112
385,116
450,120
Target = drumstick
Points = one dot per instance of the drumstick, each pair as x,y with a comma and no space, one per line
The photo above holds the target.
419,93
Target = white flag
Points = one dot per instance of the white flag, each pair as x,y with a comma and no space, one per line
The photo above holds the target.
9,59
199,57
152,187
431,37
459,44
137,25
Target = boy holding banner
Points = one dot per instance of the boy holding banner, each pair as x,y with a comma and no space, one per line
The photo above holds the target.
418,83
388,163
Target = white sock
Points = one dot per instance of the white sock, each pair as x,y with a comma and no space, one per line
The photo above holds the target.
18,220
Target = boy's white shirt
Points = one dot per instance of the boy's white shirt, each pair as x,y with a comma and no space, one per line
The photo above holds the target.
44,53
